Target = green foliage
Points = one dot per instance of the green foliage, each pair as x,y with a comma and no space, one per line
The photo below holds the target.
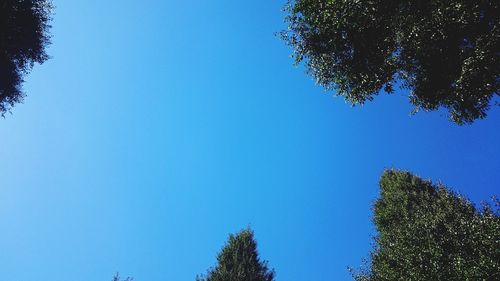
239,261
24,36
446,52
427,232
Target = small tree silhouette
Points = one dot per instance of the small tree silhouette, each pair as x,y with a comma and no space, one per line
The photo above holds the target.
117,278
239,261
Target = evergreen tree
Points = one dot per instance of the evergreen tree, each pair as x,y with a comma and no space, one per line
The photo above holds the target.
427,232
239,261
446,52
24,36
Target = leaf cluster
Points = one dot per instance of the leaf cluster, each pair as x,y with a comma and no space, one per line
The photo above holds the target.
24,26
427,232
445,52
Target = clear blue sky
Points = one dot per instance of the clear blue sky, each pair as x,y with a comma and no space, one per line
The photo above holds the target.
158,127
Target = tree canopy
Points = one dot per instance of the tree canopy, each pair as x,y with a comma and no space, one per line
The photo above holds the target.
427,232
239,261
445,52
24,26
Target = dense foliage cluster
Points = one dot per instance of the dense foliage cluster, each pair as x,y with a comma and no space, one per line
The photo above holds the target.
24,36
239,261
446,52
427,232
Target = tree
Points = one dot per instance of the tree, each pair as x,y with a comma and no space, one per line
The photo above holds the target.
24,26
445,52
117,278
239,261
427,232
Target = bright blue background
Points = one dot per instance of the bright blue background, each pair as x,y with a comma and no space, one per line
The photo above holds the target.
158,127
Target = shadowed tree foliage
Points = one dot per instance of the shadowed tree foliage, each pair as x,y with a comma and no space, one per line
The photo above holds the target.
427,232
239,261
24,36
445,52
